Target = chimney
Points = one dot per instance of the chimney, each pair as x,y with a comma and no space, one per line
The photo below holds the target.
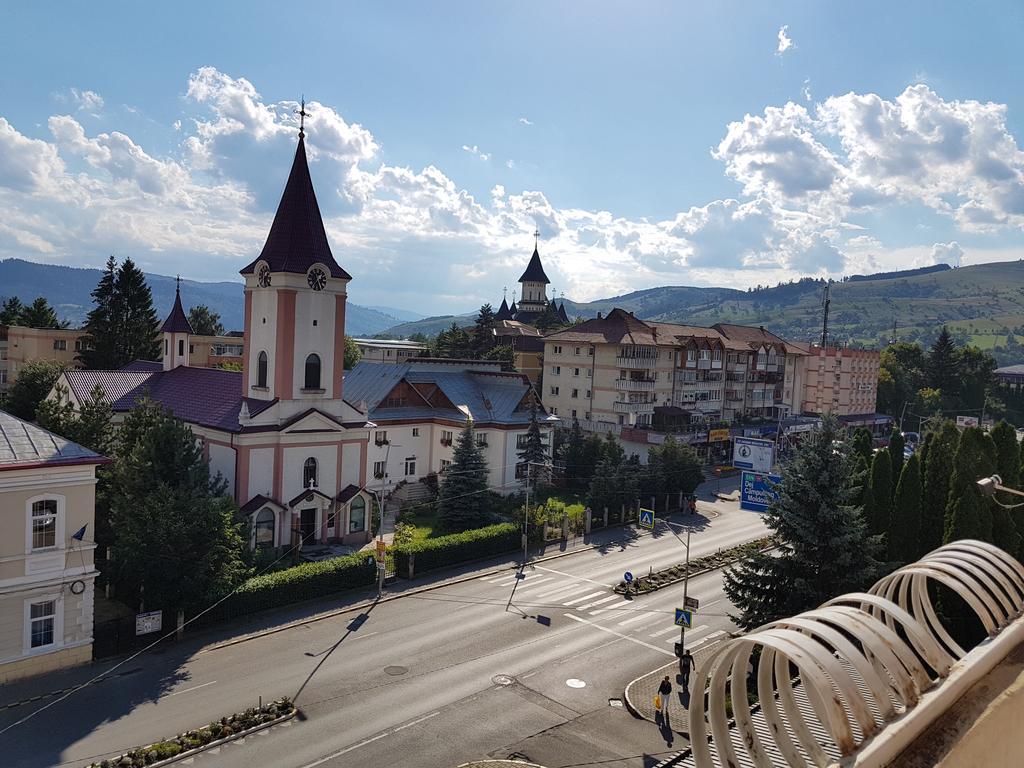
599,316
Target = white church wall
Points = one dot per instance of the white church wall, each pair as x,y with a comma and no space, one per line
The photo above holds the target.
222,459
295,457
351,463
262,336
261,472
309,306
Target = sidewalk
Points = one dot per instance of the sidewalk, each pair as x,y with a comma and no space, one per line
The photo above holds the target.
640,693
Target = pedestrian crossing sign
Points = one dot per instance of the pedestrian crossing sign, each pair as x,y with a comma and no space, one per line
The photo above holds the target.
646,518
684,618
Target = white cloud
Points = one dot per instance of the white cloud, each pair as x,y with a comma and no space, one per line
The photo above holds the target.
176,125
86,101
510,164
805,90
475,151
947,253
524,121
785,43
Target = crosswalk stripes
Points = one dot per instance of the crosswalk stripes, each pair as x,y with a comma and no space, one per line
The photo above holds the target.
563,591
528,584
640,615
661,632
585,597
603,600
691,632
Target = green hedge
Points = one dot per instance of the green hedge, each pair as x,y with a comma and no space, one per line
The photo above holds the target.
292,585
429,554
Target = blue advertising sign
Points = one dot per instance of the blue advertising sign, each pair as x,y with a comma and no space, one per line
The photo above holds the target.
755,494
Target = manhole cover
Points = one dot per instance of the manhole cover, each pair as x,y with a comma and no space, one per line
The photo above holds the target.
572,682
396,671
502,680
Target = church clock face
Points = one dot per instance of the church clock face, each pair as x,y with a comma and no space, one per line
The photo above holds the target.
264,276
317,279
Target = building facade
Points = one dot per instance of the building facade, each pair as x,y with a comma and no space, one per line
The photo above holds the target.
47,506
389,350
839,380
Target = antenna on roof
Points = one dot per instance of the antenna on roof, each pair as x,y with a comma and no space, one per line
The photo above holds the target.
825,302
302,113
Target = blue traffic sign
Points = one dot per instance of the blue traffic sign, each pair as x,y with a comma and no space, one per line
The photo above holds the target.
646,518
684,618
627,577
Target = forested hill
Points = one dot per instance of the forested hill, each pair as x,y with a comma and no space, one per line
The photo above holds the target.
983,304
68,288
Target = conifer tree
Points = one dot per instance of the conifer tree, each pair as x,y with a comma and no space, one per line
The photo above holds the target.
533,453
204,321
35,380
1004,438
968,513
863,443
672,467
39,314
11,312
483,331
943,367
461,496
878,506
825,549
860,480
905,530
135,320
99,348
896,446
573,455
942,445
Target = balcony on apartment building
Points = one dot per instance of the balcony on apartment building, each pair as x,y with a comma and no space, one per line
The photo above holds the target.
622,407
634,385
636,363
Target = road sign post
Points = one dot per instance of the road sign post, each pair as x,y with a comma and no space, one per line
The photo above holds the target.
686,584
628,578
646,518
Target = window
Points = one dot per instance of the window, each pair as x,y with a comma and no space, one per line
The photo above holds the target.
357,515
445,463
378,469
481,440
263,528
167,348
574,413
415,431
78,345
588,394
590,351
410,466
590,373
191,349
42,618
554,390
309,479
261,370
446,437
380,438
556,370
576,351
312,372
558,350
575,393
181,347
575,371
587,415
61,344
44,524
332,516
705,354
395,402
554,411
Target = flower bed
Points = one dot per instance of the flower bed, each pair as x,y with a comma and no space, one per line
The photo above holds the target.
677,573
216,731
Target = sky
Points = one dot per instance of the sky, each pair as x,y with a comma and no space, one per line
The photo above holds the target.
650,143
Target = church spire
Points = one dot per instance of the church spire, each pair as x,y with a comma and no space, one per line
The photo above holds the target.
177,321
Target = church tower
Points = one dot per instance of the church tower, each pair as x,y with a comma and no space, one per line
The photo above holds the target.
176,331
533,283
295,295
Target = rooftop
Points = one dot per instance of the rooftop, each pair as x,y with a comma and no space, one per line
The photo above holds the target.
27,445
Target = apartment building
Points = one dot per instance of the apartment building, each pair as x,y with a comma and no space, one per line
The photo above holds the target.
389,350
47,506
839,380
20,345
623,371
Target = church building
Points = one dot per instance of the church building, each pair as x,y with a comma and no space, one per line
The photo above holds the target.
281,432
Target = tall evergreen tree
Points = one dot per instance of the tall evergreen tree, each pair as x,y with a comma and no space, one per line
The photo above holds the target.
926,444
1004,438
11,312
612,450
177,544
614,484
935,490
878,505
39,314
943,367
483,331
672,467
204,321
859,480
573,455
968,513
35,380
863,444
99,347
461,496
824,546
896,446
905,530
533,454
135,318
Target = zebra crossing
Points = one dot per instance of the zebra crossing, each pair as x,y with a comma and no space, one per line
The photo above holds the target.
583,597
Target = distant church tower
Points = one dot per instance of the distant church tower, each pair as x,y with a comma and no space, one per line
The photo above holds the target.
176,331
533,284
295,295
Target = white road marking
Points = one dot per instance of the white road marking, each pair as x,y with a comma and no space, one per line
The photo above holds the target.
194,688
528,585
564,591
617,634
598,602
661,632
571,576
639,615
417,722
690,632
357,635
341,752
585,597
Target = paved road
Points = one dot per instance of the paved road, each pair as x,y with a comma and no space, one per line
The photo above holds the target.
417,683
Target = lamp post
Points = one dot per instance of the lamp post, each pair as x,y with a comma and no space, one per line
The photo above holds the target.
989,485
380,506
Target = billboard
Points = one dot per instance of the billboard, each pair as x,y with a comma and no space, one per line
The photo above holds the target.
755,494
718,435
967,421
752,453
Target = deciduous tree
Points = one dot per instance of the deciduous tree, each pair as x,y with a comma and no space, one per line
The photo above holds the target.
35,380
204,321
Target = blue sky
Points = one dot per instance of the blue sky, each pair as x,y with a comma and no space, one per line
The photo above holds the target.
715,143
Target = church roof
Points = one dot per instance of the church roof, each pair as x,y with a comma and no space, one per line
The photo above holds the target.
177,321
503,312
561,313
297,238
534,270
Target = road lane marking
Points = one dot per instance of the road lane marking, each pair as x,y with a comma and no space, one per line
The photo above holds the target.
572,576
529,586
564,591
357,635
417,722
661,632
639,615
690,632
617,634
585,597
193,688
346,750
598,602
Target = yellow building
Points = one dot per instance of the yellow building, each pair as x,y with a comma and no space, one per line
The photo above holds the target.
839,380
47,506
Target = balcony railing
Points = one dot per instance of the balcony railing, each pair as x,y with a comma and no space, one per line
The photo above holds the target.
737,367
619,407
634,385
636,362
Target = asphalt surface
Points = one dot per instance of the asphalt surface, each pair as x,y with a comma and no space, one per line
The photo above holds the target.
491,666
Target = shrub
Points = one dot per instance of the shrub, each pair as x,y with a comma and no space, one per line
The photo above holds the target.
456,548
301,582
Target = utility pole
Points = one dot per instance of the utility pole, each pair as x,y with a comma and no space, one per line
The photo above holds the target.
686,583
380,531
825,302
526,519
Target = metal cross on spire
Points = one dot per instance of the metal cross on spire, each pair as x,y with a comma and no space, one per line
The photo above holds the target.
536,238
302,113
504,292
177,286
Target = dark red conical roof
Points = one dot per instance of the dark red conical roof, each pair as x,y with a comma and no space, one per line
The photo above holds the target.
297,238
177,321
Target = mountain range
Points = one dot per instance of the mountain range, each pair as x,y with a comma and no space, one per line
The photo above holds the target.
68,288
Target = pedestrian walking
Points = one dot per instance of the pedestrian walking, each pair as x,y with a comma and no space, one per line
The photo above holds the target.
661,697
686,661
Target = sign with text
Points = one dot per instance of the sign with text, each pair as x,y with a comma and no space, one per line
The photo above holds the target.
151,621
755,493
752,453
691,602
718,435
967,421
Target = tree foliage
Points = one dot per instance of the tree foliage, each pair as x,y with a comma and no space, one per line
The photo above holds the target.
35,380
878,499
10,313
904,538
39,314
463,484
352,353
968,513
533,453
863,443
483,331
204,321
672,468
122,325
896,446
938,467
824,546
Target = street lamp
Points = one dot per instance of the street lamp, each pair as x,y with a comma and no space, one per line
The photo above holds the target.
989,485
380,506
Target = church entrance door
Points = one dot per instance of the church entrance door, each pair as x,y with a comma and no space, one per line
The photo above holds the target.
307,525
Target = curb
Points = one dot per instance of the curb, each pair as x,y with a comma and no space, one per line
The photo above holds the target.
695,573
218,742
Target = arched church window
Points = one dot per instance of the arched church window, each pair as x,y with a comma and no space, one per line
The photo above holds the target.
181,347
357,515
313,372
309,473
263,527
261,370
